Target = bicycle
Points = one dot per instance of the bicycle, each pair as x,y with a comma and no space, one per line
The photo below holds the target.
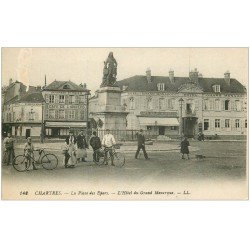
118,158
47,160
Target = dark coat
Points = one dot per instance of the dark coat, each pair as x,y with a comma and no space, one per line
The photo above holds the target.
141,139
81,141
95,142
184,147
67,140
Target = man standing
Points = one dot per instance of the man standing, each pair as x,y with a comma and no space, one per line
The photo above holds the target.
141,145
81,147
95,143
9,153
108,142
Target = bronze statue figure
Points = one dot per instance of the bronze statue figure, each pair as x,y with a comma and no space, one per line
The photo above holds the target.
109,71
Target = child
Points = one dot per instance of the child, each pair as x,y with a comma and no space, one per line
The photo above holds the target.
29,153
184,148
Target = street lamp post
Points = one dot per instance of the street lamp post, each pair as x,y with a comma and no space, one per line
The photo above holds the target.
180,116
87,115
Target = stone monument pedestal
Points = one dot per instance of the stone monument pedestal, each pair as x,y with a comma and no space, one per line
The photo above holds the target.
110,110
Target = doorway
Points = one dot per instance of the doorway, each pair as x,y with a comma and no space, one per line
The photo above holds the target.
27,133
161,130
190,126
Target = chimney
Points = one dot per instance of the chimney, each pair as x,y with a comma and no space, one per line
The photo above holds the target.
194,76
227,77
171,75
148,74
45,81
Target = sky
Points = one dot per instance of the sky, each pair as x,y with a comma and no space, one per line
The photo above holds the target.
85,65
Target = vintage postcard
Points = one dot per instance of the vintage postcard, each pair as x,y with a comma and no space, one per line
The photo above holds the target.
124,123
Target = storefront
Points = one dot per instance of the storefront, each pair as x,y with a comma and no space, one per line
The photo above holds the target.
160,125
61,129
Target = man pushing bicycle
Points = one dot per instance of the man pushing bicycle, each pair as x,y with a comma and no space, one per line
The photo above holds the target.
108,142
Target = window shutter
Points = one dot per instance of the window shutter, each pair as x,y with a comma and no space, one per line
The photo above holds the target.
155,103
196,105
56,98
66,99
47,98
223,105
166,104
233,105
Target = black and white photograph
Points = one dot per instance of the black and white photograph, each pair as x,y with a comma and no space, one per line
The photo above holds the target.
124,123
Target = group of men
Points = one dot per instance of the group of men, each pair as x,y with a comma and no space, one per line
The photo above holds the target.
73,155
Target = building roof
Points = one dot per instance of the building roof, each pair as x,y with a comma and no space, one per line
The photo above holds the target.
64,86
140,83
34,97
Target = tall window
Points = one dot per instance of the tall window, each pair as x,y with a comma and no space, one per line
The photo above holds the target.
205,104
51,98
61,99
82,115
61,114
227,102
72,114
227,123
81,98
149,103
161,86
211,104
217,104
161,103
206,124
217,123
31,115
170,103
72,99
216,88
132,103
52,113
237,123
237,105
246,123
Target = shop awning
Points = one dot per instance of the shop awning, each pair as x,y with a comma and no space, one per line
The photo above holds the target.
66,124
158,121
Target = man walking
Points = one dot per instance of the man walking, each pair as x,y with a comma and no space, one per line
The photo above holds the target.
108,142
95,143
141,145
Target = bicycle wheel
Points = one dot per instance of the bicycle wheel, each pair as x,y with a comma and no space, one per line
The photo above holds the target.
99,157
19,163
49,161
119,160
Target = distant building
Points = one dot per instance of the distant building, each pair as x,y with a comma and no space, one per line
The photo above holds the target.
23,117
214,106
65,108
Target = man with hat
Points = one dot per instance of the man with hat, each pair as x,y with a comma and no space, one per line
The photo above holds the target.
141,145
81,147
108,142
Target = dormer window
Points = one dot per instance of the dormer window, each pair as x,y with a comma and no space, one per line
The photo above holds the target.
216,88
161,86
66,86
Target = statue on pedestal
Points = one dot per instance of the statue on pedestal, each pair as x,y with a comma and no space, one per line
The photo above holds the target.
109,71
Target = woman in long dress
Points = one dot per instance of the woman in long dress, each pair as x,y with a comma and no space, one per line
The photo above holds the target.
70,156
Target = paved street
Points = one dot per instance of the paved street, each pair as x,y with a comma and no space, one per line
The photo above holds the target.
224,162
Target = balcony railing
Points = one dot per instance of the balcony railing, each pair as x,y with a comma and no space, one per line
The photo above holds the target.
190,113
